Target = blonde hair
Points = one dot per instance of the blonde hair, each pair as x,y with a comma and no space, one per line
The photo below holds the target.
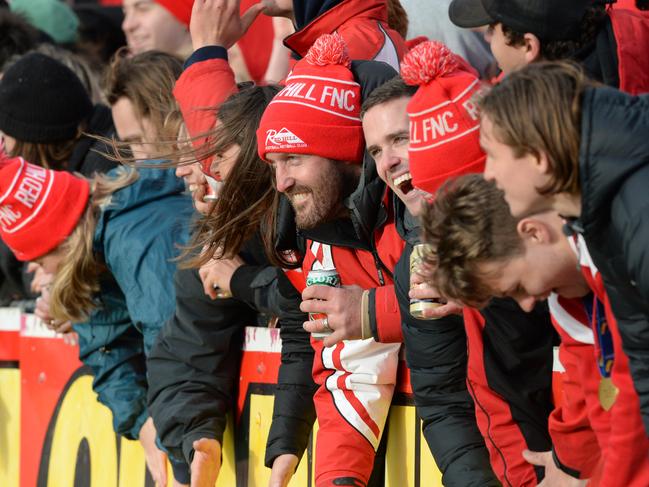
77,277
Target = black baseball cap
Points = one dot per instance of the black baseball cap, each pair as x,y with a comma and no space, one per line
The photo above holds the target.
549,20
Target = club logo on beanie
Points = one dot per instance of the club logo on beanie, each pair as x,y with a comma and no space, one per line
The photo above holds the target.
39,207
318,111
283,139
444,117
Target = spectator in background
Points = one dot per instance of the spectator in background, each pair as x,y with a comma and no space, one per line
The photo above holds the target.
162,25
139,91
78,65
610,44
45,114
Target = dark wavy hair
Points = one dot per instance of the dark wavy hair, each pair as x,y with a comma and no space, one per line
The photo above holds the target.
248,202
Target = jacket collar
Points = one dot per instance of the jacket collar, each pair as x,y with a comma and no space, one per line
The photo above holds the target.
330,20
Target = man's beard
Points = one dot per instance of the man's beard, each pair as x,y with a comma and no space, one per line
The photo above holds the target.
326,199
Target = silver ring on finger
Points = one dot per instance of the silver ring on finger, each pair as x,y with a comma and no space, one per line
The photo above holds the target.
325,325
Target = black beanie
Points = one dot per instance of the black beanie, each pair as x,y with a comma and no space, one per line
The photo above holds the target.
42,100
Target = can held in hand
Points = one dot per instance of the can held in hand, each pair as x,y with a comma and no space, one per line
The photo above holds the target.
212,189
419,306
221,293
322,277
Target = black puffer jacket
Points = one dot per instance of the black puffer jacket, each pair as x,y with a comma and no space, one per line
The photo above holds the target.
193,368
614,179
436,354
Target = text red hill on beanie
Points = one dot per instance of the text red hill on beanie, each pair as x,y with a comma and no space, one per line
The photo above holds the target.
444,119
39,207
318,111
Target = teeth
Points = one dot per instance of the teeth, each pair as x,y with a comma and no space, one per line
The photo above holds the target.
402,179
299,198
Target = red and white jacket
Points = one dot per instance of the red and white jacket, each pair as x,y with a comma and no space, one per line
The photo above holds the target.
356,378
579,426
626,447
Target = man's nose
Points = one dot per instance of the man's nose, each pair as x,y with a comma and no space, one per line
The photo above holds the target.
283,179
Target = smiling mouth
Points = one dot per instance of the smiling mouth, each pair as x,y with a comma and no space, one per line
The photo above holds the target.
299,198
404,183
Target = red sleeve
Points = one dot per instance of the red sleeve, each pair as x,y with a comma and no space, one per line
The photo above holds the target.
627,460
387,315
204,84
574,441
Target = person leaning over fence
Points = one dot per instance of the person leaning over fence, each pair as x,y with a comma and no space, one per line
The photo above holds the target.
480,250
509,351
316,150
139,91
435,353
585,157
194,366
110,243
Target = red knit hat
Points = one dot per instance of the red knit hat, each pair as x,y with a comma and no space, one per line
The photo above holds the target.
39,208
444,121
181,9
318,112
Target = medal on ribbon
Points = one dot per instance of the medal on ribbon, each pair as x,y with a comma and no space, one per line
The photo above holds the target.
607,391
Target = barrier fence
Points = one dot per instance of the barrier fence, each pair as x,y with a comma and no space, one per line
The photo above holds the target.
54,433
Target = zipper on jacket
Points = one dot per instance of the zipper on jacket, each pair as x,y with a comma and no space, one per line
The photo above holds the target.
472,392
378,264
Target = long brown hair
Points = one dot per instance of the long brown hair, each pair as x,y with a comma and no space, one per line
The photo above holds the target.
147,80
77,278
50,155
248,201
538,109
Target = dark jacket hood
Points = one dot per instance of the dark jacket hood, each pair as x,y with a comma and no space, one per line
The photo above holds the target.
88,154
306,11
614,145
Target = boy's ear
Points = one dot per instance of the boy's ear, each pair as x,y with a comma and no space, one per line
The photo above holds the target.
532,47
533,231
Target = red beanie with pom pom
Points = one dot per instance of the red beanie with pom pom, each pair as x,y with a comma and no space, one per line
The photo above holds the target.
181,9
39,208
318,111
444,121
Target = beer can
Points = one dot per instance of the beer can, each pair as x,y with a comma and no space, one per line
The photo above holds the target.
221,293
418,306
321,277
212,189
